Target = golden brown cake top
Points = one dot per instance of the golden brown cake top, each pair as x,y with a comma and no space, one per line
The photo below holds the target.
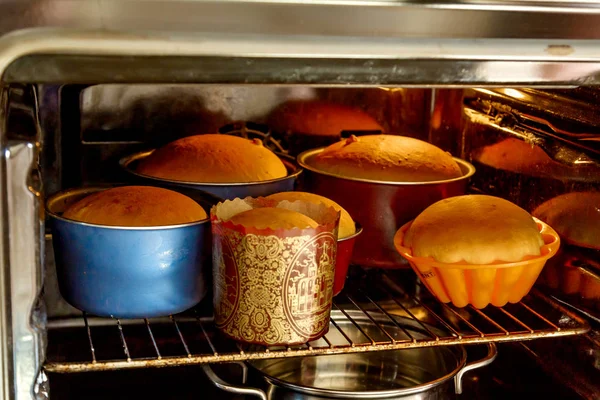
347,227
387,158
214,158
475,229
131,206
274,218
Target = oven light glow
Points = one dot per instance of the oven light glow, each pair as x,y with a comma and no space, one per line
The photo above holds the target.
392,89
514,93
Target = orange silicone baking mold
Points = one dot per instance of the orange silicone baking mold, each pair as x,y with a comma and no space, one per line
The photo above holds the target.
480,284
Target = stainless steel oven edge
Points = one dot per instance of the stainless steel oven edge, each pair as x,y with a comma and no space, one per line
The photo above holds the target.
24,320
566,19
22,316
88,56
6,365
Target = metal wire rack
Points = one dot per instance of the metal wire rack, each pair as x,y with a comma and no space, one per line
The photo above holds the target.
413,318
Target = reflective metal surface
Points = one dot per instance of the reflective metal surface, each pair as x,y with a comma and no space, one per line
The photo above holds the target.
362,68
83,56
24,315
459,18
6,349
407,374
565,129
221,384
390,374
531,145
26,246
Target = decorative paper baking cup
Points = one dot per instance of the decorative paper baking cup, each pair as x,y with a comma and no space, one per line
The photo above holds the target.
480,284
273,287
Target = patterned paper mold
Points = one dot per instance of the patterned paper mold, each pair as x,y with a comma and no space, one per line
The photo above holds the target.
273,287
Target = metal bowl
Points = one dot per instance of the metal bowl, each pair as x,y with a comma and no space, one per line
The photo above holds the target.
227,191
129,272
415,374
380,207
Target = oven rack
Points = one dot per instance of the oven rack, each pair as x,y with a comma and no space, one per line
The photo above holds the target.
99,344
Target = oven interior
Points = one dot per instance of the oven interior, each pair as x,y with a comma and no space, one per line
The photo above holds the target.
81,132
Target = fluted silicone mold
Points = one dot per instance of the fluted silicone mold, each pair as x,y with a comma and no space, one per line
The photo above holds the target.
480,284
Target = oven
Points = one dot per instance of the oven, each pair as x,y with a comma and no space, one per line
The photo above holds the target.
87,83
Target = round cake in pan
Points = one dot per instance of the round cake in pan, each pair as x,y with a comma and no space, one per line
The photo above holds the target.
213,158
387,158
130,206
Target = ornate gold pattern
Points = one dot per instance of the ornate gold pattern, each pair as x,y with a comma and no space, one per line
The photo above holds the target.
271,290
